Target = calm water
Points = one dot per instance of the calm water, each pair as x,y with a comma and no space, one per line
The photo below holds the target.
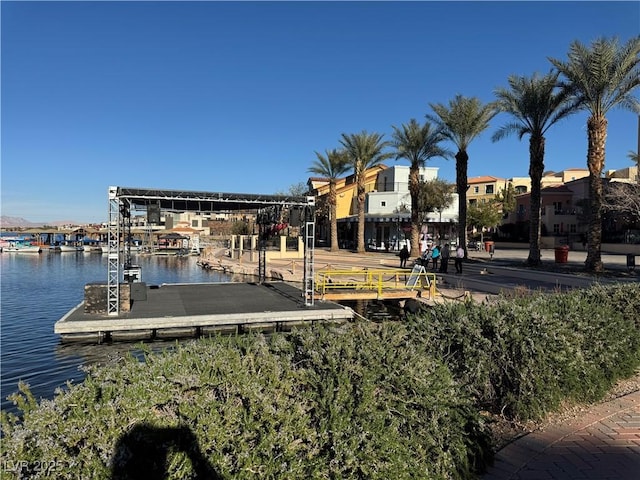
37,290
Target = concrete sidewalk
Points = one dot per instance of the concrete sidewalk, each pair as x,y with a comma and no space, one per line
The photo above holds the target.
575,260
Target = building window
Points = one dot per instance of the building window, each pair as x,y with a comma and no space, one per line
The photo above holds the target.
521,209
489,189
383,204
572,228
194,223
476,189
556,228
521,189
557,207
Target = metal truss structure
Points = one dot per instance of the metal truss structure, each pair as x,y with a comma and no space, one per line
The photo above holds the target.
122,200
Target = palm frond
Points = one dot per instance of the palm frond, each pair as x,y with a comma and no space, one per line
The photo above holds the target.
418,143
603,75
332,165
536,103
463,119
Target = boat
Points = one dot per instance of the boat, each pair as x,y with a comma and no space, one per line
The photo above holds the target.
18,245
93,248
70,247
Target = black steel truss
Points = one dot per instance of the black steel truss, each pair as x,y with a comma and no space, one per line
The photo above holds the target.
184,200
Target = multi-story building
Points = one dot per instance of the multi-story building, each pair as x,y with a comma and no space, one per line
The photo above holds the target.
346,203
628,174
560,178
387,209
564,196
483,189
558,211
520,184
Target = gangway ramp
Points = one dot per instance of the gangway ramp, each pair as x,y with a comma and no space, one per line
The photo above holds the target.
375,284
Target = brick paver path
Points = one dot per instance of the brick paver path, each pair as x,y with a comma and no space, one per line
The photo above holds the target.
602,444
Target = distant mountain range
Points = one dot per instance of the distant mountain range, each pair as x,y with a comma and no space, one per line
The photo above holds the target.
7,222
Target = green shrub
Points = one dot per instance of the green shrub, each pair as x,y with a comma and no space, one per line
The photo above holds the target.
391,400
354,402
521,356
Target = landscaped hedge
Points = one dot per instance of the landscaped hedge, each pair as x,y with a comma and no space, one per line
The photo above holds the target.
393,400
356,401
522,355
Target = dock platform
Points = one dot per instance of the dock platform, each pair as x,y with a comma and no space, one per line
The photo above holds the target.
192,310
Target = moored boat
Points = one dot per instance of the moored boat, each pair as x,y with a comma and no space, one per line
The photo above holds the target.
71,247
17,245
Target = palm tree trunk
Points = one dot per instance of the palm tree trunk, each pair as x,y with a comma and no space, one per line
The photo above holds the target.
597,135
462,160
334,221
414,180
361,198
536,169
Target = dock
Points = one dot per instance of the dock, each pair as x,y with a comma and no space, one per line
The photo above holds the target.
192,310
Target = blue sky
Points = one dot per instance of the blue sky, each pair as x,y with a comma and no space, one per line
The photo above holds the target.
237,96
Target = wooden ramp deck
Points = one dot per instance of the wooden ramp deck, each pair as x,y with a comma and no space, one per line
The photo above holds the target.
185,310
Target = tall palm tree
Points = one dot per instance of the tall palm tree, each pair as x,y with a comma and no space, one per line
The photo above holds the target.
416,143
601,77
461,122
364,150
535,103
332,166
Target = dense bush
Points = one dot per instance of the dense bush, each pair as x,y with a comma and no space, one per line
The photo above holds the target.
353,402
522,355
364,400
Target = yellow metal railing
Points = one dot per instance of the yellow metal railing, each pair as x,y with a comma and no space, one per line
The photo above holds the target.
374,280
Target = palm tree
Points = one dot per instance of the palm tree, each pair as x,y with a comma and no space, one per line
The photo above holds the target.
535,104
416,143
601,77
461,122
332,166
364,150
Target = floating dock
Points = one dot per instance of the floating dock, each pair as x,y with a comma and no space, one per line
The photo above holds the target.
192,310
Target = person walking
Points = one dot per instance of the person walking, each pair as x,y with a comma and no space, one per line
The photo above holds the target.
435,256
459,257
404,256
444,258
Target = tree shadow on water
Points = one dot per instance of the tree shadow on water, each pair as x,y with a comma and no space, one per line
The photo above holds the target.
143,451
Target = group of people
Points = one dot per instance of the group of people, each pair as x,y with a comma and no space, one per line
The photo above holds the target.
436,255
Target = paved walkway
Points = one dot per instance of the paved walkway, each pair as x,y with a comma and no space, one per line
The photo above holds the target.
601,444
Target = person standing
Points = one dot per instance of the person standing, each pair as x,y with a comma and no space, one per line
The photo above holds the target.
459,257
435,256
444,258
404,255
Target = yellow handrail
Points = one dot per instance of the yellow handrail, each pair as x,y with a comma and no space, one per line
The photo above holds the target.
372,280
